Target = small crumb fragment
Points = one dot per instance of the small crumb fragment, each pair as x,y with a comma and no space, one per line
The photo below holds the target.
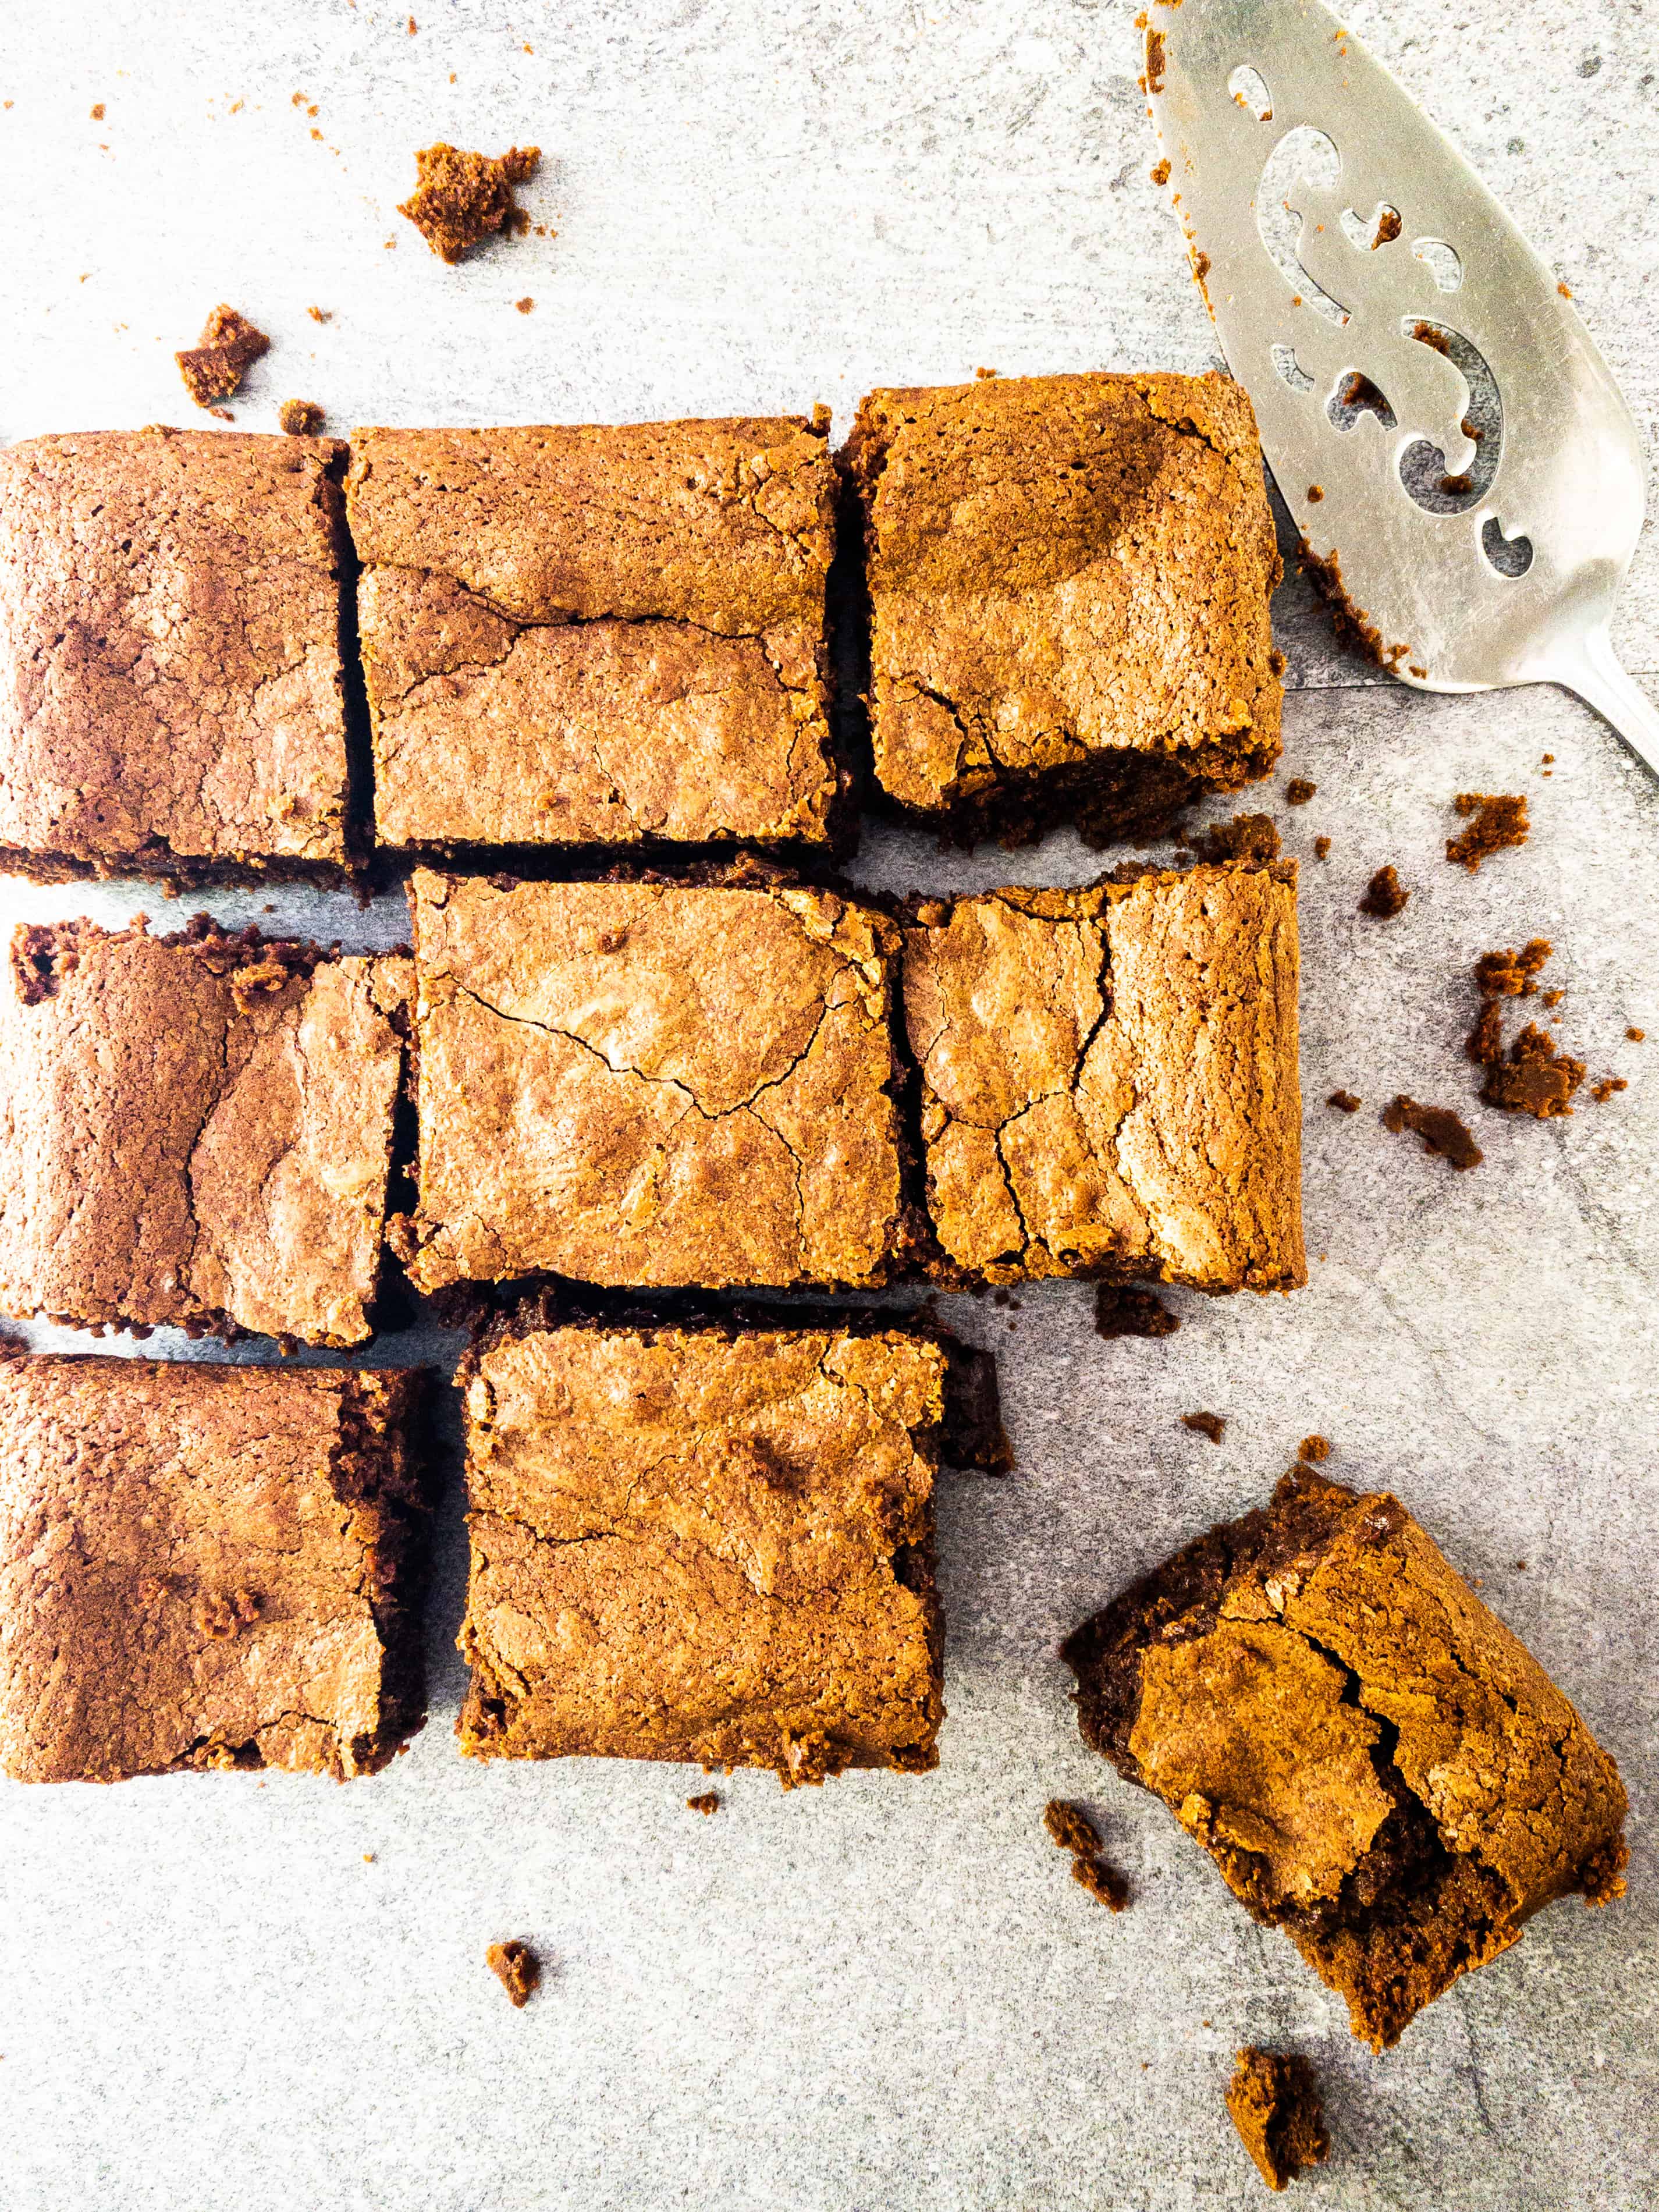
228,347
1564,291
301,418
413,26
1601,1091
1345,1101
517,1968
1499,819
526,306
320,314
1635,1035
706,1801
1385,895
1533,1078
1387,227
1314,1450
97,112
1102,1882
1442,1132
1253,838
1206,1424
1321,848
1275,2103
1160,172
1127,1309
1298,791
984,375
1315,494
368,1859
1070,1827
460,197
1554,998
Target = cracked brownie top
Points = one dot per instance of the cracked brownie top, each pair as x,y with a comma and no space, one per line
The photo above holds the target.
170,674
195,1130
652,1084
711,1544
598,634
1062,568
1375,1762
205,1566
1109,1078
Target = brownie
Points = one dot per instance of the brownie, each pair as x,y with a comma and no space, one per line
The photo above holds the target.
653,1084
1274,2101
517,1968
1377,1765
1109,1079
596,635
709,1543
213,368
195,1129
1069,580
207,1566
170,666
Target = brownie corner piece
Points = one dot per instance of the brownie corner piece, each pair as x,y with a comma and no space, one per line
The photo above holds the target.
1377,1765
196,1130
206,1566
171,684
651,1084
1109,1079
1274,2101
596,635
1069,580
710,1541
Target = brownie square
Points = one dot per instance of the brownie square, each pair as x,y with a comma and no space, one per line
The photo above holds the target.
195,1129
1377,1765
170,676
653,1084
598,635
207,1566
1069,580
711,1543
1109,1079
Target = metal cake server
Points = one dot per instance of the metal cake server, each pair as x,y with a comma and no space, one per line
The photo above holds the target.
1455,451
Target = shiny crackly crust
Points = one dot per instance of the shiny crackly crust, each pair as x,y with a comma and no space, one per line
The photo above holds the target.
1376,1764
1109,1079
598,634
195,1130
1060,567
640,1083
704,1544
171,692
206,1566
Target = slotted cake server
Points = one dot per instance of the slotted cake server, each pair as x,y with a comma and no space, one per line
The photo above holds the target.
1463,468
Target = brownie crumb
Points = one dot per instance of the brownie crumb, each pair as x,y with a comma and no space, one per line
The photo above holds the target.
1313,1448
1442,1132
1601,1091
1298,791
214,368
96,111
1321,848
1345,1101
706,1801
1252,838
1533,1078
1316,494
1635,1035
1274,2101
1387,227
301,418
1154,61
1496,819
1506,975
320,314
1206,1424
1070,1827
526,306
1160,172
1385,895
1127,1310
1102,1882
460,197
517,1968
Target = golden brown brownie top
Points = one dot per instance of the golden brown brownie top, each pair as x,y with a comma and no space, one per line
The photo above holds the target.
1109,1077
1062,565
195,1129
636,1083
195,1567
169,646
725,524
692,1545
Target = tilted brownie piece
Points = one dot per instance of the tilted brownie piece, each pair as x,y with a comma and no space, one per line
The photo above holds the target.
1274,2101
708,1543
1377,1765
1110,1079
170,674
1069,583
195,1130
207,1566
598,635
653,1084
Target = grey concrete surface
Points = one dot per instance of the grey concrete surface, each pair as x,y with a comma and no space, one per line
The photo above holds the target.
886,1993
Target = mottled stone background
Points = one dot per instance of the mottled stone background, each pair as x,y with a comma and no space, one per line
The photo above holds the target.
887,1994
